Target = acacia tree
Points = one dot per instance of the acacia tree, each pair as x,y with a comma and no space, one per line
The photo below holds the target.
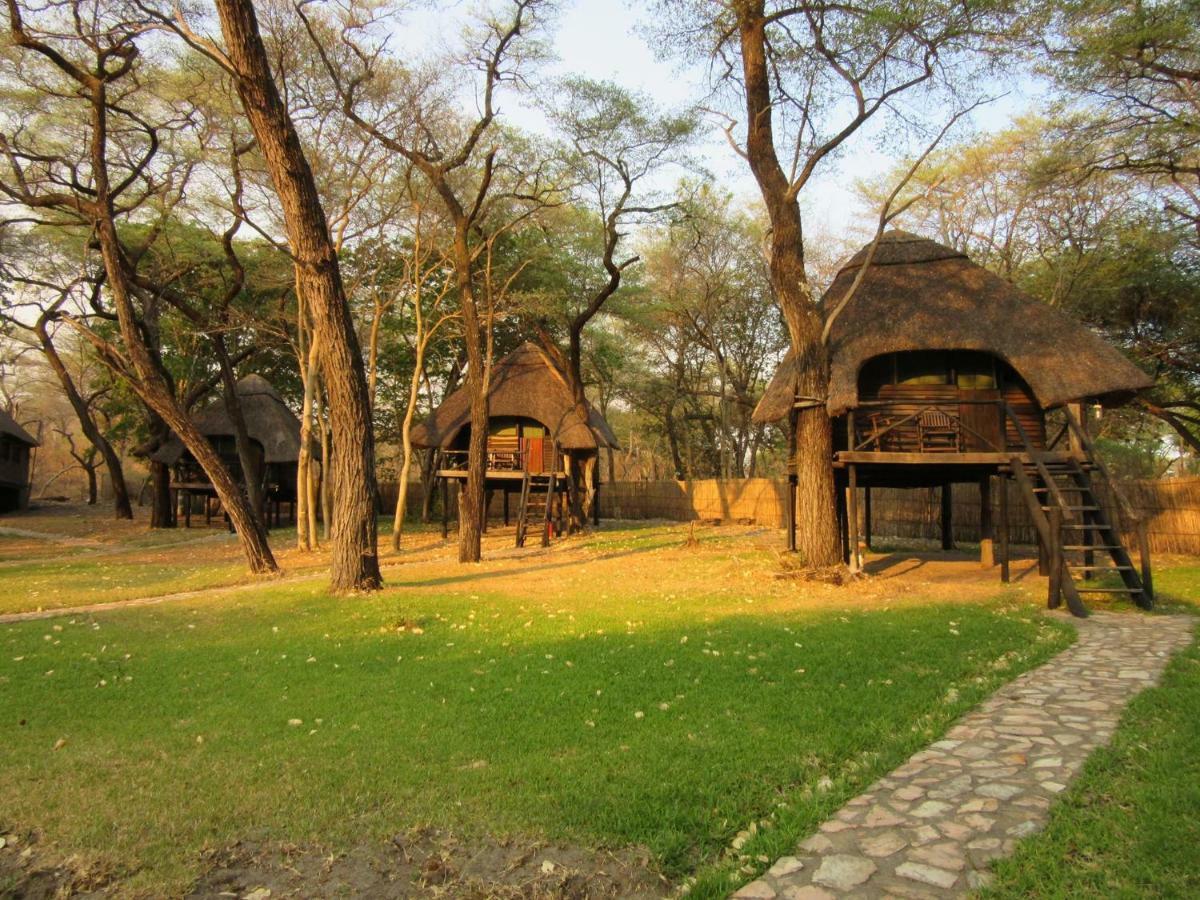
616,143
88,55
243,56
808,77
410,113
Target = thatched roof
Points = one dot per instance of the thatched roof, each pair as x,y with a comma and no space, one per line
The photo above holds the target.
920,295
268,421
524,383
9,426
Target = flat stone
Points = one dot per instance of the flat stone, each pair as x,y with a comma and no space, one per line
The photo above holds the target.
987,843
879,817
818,843
806,892
912,792
980,804
882,844
927,874
977,880
841,871
784,866
998,790
942,856
756,890
930,808
1048,762
924,834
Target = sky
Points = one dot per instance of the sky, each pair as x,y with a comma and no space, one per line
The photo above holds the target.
602,39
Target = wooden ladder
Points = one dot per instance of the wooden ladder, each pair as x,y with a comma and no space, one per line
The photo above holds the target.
537,494
1073,524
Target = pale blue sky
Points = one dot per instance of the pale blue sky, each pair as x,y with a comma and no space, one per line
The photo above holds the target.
603,39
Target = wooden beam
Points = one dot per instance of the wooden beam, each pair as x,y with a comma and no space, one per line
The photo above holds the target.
987,530
445,507
947,516
1055,517
790,513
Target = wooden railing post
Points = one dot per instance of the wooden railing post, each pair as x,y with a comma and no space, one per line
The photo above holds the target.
1056,557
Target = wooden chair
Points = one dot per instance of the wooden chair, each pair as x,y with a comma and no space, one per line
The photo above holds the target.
878,437
937,431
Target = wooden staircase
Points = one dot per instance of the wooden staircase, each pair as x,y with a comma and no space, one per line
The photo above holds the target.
1074,527
537,495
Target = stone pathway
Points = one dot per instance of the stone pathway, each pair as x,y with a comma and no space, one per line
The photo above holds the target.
931,827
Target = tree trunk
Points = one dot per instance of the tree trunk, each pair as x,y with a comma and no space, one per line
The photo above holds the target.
306,515
251,465
148,380
116,473
355,561
406,448
816,521
427,485
93,491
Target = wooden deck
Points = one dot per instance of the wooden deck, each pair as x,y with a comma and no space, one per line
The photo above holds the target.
966,458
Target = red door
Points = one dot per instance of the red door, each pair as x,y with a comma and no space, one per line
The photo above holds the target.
534,462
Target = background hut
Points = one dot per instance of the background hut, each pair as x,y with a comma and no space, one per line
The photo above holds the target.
16,447
274,432
942,372
539,445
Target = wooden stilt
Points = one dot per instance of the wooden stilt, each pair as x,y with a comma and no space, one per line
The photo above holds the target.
867,517
487,504
790,513
843,527
852,519
505,507
987,531
947,517
1004,573
445,507
187,509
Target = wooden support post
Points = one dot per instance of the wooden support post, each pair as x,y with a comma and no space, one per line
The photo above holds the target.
852,519
1056,557
1143,538
867,517
947,517
445,507
843,522
987,531
1043,557
1075,441
1004,572
487,503
596,503
187,509
790,513
207,511
506,507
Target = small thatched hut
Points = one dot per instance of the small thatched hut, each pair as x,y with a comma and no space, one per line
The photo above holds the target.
536,435
16,446
942,372
274,432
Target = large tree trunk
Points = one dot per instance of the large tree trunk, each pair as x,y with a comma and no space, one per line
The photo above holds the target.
406,448
306,512
93,490
816,521
355,561
116,473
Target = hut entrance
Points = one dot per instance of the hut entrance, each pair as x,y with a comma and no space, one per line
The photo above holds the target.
515,444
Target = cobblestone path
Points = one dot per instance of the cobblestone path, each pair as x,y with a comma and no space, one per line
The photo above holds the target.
931,827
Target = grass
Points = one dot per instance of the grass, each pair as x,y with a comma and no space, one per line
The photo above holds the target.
1130,825
632,694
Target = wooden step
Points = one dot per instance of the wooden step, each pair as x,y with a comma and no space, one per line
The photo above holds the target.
1088,525
1075,568
1084,589
1074,508
1091,546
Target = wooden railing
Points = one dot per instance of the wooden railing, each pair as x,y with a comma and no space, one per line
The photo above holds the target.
497,460
878,426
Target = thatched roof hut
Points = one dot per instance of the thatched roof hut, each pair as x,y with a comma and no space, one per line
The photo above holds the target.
10,428
269,421
525,383
921,295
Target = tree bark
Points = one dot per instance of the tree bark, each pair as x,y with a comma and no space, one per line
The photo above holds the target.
816,522
251,465
355,559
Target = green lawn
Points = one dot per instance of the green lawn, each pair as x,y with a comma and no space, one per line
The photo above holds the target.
596,711
1130,826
